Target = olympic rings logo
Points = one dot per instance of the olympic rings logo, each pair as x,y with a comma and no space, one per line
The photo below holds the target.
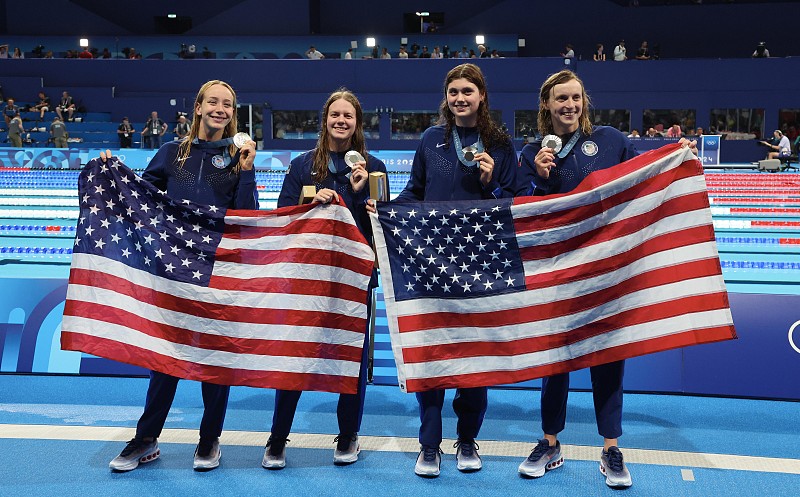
791,340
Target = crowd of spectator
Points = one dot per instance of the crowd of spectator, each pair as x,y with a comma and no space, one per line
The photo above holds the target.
619,54
18,132
413,51
189,51
674,131
66,107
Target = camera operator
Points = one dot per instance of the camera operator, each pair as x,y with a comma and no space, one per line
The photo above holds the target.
182,128
780,145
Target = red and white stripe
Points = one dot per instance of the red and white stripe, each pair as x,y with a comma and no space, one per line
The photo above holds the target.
285,307
624,265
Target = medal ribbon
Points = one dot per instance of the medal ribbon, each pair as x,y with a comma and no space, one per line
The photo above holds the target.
223,144
570,144
332,169
478,145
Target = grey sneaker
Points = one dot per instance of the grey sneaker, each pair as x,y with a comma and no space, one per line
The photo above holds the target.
206,456
467,457
347,449
428,462
137,451
543,458
275,453
612,465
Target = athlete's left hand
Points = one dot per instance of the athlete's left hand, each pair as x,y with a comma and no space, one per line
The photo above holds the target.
359,176
684,142
247,155
486,165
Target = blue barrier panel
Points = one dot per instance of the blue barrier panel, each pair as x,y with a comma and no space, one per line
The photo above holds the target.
76,158
56,158
763,362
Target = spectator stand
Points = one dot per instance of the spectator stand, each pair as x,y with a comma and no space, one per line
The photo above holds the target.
88,130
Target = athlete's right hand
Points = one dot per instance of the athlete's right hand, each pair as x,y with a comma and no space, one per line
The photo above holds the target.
326,196
544,161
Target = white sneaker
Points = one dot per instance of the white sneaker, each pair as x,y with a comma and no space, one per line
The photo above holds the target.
613,467
207,457
429,461
544,457
347,449
467,458
274,454
137,451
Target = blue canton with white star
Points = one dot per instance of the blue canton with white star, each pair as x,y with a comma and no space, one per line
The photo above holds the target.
124,218
451,249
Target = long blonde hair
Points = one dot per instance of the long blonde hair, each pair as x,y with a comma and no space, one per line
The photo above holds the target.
544,121
357,142
184,149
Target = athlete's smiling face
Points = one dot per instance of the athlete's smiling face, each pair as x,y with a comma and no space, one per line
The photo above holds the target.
565,104
341,122
464,99
215,112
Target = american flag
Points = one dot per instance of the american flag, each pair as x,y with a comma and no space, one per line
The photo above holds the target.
273,299
492,292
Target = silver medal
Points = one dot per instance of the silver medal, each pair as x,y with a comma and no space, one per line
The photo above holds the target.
552,141
469,153
239,139
351,157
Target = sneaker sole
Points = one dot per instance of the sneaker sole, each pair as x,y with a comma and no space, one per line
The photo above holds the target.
273,465
468,469
623,484
433,473
207,466
345,460
538,474
135,463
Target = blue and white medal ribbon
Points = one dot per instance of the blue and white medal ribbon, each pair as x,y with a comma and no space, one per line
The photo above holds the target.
224,160
467,155
338,174
570,144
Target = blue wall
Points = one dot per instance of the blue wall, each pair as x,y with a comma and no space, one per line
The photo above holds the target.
134,88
